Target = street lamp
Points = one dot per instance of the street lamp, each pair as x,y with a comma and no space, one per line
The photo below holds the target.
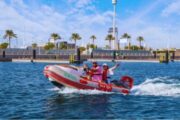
114,2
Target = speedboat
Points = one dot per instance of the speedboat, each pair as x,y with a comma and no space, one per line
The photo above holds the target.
67,76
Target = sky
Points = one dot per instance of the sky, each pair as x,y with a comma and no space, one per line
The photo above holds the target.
34,20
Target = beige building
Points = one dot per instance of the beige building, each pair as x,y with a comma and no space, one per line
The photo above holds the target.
177,54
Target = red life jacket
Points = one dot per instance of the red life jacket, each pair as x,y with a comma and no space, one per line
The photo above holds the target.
104,75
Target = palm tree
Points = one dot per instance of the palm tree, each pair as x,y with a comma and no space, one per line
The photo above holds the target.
129,41
75,37
9,34
140,39
55,36
110,37
93,37
125,35
128,37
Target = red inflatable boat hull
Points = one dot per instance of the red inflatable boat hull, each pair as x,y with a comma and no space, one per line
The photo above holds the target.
63,76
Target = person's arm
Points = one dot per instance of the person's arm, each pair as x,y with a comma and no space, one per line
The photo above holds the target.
111,70
114,67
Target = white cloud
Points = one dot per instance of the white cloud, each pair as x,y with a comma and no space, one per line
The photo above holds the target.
139,16
157,33
35,25
81,3
173,8
30,24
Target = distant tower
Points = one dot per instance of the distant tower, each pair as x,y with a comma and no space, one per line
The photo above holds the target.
114,2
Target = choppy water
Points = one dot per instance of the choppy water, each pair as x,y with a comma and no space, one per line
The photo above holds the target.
26,93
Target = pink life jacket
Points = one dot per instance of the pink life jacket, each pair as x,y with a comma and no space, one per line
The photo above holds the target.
97,76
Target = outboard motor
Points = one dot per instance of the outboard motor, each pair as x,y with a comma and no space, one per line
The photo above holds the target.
125,81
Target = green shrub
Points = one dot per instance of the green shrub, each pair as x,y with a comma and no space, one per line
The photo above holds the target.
49,46
4,45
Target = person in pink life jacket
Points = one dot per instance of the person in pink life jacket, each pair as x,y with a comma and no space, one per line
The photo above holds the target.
96,72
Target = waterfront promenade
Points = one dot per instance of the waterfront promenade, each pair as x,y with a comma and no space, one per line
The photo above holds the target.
63,56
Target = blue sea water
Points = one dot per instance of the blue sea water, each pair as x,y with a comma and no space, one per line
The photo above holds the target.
26,93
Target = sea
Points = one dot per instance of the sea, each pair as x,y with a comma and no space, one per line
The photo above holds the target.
26,94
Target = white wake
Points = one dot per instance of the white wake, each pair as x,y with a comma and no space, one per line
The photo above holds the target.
158,87
67,90
161,86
